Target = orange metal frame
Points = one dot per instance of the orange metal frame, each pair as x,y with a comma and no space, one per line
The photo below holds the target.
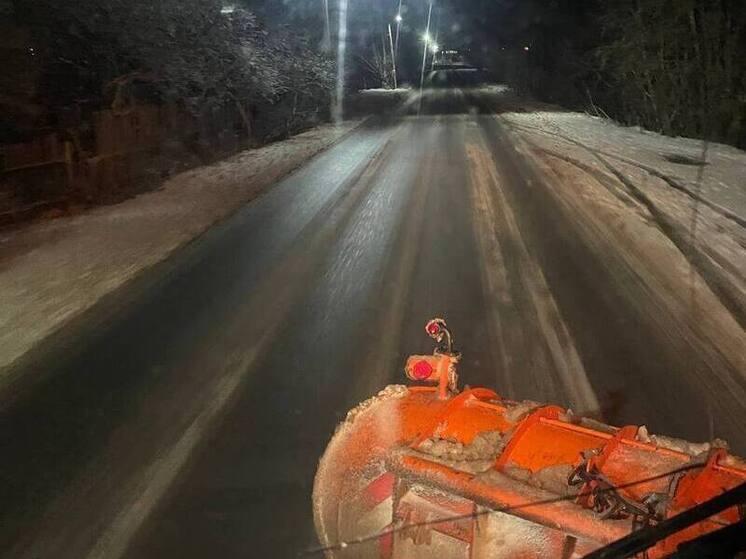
383,437
542,439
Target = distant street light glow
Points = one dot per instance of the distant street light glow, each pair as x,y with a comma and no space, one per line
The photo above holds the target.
434,48
227,9
526,48
398,18
424,53
426,37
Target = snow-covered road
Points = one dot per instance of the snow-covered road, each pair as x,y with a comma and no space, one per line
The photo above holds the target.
52,271
185,418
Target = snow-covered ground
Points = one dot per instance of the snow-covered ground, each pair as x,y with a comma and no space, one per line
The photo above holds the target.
51,271
645,185
723,180
699,209
378,101
385,91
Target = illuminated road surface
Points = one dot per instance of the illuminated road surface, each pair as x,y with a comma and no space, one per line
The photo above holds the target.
188,419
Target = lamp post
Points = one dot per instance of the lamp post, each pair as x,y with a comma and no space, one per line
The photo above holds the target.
393,58
427,44
338,107
326,42
398,19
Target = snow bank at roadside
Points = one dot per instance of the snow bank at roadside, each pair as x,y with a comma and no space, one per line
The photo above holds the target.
385,91
660,178
51,271
724,178
378,101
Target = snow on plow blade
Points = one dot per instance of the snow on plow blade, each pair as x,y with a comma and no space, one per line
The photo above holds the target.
430,471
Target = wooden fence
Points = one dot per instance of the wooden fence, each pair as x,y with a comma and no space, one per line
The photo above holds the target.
42,172
46,150
140,128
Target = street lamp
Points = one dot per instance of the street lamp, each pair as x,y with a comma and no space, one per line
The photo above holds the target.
398,18
426,38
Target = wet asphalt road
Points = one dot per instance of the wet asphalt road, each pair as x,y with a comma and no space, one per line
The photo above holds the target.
184,416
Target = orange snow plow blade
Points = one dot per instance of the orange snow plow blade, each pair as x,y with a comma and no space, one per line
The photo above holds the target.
430,471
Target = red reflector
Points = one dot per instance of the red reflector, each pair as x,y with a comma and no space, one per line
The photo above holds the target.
422,370
433,328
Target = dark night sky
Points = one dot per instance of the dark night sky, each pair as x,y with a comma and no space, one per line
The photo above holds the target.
481,27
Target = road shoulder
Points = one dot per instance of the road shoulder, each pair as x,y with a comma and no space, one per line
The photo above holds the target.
53,271
700,209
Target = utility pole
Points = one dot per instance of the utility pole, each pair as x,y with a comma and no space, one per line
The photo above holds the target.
326,42
393,58
424,50
437,37
338,107
384,52
399,17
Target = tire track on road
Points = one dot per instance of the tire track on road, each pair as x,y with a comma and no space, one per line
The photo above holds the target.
144,481
645,363
536,342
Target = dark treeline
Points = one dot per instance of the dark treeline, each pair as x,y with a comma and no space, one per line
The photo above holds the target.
67,59
674,66
100,99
